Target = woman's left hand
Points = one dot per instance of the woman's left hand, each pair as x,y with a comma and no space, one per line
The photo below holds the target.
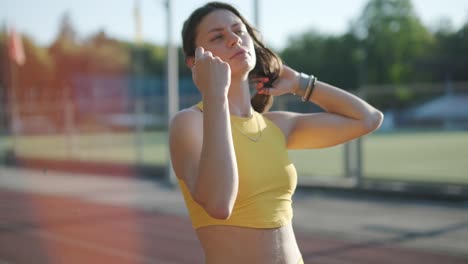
287,82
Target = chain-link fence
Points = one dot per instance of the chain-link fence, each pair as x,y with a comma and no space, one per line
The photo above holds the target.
423,140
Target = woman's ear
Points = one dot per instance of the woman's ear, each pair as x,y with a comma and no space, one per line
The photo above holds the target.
189,61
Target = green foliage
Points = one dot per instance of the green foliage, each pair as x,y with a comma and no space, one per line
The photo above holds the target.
332,58
386,44
393,38
447,59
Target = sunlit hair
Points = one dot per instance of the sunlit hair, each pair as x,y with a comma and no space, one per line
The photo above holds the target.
268,63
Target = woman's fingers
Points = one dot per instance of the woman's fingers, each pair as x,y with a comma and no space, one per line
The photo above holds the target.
259,82
265,91
275,91
259,79
199,53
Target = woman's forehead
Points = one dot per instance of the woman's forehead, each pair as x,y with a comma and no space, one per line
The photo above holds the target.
218,19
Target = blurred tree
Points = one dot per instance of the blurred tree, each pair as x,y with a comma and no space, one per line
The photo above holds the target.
153,59
4,79
67,55
4,60
393,39
67,31
36,75
105,55
30,80
448,57
332,58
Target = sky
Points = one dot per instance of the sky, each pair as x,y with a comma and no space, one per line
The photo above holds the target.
278,19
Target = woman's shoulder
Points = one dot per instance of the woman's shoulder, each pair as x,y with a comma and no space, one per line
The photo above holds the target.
185,135
284,120
187,117
191,110
278,116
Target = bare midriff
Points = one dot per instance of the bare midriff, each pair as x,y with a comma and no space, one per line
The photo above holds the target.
232,244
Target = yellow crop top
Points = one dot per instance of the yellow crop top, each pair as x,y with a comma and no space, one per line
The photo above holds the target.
267,178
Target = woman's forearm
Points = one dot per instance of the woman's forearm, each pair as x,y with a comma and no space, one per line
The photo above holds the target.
338,101
217,183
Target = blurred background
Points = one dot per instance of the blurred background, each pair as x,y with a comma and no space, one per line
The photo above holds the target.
88,87
92,81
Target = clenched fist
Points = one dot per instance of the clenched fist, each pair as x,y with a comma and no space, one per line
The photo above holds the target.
210,74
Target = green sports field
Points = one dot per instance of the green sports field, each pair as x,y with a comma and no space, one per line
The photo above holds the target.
411,156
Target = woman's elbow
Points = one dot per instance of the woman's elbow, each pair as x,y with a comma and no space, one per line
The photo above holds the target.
219,210
222,212
373,121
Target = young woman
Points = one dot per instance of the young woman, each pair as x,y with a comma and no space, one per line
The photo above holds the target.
230,154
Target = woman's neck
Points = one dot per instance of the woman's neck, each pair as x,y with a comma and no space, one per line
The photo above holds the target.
239,98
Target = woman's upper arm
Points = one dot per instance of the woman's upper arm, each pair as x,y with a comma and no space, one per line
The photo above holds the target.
185,144
317,130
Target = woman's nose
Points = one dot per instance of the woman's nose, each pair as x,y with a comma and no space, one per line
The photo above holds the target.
234,39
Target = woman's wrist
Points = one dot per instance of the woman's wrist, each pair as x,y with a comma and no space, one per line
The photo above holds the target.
297,88
304,86
311,82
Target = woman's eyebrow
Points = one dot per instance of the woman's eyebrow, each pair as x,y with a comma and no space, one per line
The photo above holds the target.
222,28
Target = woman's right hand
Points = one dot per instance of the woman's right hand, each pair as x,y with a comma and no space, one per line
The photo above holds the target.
210,74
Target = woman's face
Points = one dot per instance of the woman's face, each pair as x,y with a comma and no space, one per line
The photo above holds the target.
224,34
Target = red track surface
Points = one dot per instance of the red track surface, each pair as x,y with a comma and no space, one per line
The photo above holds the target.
37,229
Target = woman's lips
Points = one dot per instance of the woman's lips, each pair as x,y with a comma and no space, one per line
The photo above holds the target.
239,53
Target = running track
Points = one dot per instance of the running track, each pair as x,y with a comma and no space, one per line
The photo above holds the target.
40,229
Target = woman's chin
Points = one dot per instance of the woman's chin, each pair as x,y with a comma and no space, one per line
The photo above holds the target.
240,69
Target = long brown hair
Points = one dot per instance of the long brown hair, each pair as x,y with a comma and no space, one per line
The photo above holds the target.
268,63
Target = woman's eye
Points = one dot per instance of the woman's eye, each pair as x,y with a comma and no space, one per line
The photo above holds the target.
217,37
240,32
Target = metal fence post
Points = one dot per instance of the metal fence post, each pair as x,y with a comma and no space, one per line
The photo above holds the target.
347,161
172,83
358,161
